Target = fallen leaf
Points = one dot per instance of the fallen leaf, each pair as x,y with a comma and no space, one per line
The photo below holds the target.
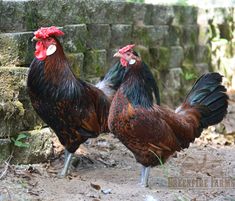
95,186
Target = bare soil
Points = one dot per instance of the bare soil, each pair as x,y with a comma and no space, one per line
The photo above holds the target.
104,170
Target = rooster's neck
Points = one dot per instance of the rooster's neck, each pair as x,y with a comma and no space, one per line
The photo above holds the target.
53,77
136,89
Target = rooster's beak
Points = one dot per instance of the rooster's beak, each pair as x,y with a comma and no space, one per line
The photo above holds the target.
118,55
35,39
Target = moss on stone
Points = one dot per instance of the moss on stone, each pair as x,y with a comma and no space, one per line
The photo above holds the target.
5,147
16,49
174,37
141,35
76,63
31,17
160,57
189,35
164,55
19,107
16,112
143,52
185,15
39,150
95,63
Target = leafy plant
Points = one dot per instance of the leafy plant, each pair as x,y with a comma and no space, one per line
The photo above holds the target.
189,76
20,140
165,171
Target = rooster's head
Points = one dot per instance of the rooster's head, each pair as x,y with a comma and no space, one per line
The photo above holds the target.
127,55
46,42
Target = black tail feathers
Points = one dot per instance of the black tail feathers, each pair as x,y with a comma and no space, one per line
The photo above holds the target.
209,97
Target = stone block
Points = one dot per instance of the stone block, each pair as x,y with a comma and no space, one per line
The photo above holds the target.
160,57
162,15
11,16
95,63
203,54
173,79
16,112
141,14
190,52
174,37
202,68
17,16
172,85
189,35
59,13
150,36
76,62
75,38
40,147
117,12
16,49
5,147
189,57
99,36
29,15
204,35
176,56
120,35
185,15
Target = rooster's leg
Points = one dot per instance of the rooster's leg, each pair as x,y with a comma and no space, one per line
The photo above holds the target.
67,161
144,176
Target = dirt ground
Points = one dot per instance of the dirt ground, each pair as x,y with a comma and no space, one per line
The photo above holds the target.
107,171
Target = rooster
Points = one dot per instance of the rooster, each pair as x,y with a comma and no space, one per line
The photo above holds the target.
113,79
74,109
153,133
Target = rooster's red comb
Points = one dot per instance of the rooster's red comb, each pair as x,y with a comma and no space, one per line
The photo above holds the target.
126,48
45,32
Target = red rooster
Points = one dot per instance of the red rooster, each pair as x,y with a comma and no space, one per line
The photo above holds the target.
74,109
153,133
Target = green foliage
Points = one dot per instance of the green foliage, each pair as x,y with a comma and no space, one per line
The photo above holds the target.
189,75
165,171
20,140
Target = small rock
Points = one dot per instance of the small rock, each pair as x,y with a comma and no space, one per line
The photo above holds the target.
150,198
106,191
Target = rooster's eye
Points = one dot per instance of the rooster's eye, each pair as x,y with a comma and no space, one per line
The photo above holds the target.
49,39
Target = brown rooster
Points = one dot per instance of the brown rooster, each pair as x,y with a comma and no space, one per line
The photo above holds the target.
74,109
153,133
113,79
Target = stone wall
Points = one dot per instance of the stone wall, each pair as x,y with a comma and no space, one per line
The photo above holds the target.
178,43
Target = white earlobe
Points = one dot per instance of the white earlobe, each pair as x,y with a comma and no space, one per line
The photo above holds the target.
51,50
132,61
